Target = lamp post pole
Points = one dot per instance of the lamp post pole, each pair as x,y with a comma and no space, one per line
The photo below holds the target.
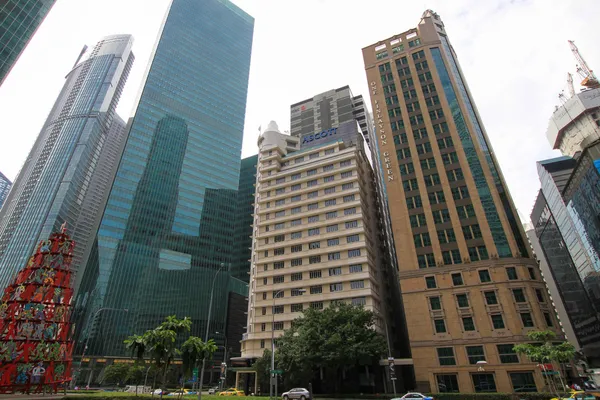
212,292
87,340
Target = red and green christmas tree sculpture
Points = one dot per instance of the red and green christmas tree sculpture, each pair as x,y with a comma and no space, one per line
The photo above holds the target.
35,330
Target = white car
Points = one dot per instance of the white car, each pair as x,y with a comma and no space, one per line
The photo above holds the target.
213,390
414,395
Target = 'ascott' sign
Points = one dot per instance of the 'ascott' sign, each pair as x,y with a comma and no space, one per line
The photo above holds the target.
317,136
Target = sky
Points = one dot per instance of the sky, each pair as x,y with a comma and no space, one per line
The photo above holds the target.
514,54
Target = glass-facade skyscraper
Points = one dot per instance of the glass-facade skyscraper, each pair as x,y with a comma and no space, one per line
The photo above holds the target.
5,185
169,223
57,182
243,223
19,19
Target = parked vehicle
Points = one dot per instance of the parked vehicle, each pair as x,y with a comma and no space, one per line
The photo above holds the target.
158,392
213,390
296,393
414,395
231,392
578,395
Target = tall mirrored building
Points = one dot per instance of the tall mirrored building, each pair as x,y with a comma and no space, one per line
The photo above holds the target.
5,185
169,223
57,183
19,19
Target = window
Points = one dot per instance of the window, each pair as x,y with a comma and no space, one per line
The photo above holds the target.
436,114
313,218
417,220
401,154
312,195
484,383
410,184
422,240
424,148
278,326
474,354
295,187
436,197
311,172
414,202
296,210
445,142
336,287
451,257
278,252
351,224
460,192
455,175
263,327
262,343
313,206
511,272
407,168
354,253
296,198
296,248
435,303
507,354
359,301
412,107
279,226
465,212
447,383
296,307
296,262
446,356
298,160
426,260
490,298
316,289
266,267
519,295
523,382
312,183
313,156
468,324
352,238
350,211
296,276
348,198
432,180
315,274
329,178
296,177
297,292
346,174
347,186
314,259
540,296
279,181
400,139
277,309
332,228
327,168
463,300
333,256
313,232
279,203
472,231
531,273
335,271
548,320
278,265
295,222
355,268
450,158
484,276
497,321
441,216
357,284
457,279
440,326
345,163
440,128
433,100
478,253
419,133
317,305
446,236
279,279
278,238
430,282
333,242
527,320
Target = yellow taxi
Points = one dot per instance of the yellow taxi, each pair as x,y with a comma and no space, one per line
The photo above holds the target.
231,392
577,395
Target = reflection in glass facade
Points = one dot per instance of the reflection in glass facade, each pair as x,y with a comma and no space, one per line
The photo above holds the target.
58,182
19,19
169,223
5,185
244,220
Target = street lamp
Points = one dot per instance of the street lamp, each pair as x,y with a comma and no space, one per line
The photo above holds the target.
212,292
272,374
87,340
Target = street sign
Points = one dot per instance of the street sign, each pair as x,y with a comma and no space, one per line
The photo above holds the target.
195,375
277,371
391,366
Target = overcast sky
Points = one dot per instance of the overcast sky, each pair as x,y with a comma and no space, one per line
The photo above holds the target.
514,54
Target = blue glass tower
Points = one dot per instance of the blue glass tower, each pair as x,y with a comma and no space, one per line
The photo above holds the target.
5,185
170,218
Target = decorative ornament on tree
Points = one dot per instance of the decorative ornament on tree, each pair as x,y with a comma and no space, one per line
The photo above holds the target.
35,329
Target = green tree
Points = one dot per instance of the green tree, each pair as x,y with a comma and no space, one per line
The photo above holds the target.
544,349
137,345
193,351
330,341
262,366
116,373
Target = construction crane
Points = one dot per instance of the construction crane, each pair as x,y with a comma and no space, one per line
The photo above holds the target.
589,79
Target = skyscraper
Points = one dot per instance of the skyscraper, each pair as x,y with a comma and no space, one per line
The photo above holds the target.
470,288
19,19
57,183
5,185
168,228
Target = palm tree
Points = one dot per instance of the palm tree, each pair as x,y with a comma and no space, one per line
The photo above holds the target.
137,345
194,350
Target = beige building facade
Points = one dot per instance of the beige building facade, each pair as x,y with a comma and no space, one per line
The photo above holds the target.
314,233
470,287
